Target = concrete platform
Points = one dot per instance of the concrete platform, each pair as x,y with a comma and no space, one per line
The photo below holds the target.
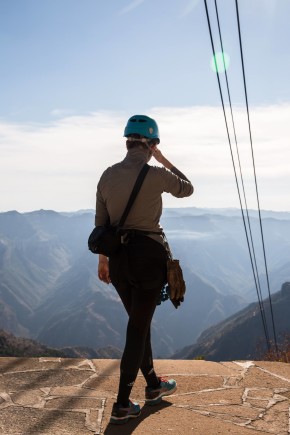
55,396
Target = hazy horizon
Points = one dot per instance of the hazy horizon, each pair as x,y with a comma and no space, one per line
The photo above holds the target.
85,210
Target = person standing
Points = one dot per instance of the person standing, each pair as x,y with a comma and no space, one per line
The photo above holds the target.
138,270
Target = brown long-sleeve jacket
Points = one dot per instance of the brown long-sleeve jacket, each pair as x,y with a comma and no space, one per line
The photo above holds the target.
116,184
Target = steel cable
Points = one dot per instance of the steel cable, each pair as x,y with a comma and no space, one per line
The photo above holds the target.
256,184
256,273
235,173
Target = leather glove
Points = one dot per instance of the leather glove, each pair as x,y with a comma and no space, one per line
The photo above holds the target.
175,281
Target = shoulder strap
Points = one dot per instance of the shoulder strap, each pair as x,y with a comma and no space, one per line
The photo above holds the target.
134,193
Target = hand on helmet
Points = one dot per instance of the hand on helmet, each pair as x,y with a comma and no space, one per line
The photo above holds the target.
157,154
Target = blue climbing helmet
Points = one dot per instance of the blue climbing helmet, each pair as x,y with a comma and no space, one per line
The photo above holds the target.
142,125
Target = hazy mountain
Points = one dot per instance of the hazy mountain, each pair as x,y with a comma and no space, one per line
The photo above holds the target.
215,248
203,306
35,250
83,311
49,287
23,347
226,212
242,336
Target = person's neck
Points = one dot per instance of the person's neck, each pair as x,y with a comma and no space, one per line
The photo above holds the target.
141,152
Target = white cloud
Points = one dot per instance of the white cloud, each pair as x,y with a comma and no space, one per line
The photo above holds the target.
57,113
131,6
57,165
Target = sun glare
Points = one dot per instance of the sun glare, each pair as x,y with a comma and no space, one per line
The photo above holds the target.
220,62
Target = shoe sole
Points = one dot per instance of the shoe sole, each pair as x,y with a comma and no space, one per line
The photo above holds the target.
158,399
123,420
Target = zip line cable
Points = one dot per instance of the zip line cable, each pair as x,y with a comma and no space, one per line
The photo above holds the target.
235,173
258,288
229,140
256,184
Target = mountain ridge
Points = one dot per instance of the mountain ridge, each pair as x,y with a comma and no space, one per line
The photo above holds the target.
241,336
12,346
49,288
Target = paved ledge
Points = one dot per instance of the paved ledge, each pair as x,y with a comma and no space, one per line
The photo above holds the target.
55,396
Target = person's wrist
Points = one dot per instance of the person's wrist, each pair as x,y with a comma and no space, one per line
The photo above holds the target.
103,259
167,164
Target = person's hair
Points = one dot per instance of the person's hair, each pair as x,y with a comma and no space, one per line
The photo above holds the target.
137,143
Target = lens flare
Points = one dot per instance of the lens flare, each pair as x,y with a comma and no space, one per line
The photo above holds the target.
220,62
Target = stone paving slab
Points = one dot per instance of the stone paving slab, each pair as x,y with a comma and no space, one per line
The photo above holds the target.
54,396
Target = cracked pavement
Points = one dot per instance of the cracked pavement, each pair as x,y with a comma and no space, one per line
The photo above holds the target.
75,396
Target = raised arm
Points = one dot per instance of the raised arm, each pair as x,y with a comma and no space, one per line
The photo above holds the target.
157,154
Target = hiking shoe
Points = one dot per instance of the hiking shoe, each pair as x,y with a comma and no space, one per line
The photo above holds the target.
121,415
153,396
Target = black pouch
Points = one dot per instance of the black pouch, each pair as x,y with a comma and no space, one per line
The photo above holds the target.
105,240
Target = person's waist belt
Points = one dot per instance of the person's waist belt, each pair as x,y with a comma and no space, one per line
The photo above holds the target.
127,234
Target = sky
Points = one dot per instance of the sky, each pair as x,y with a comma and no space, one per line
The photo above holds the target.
73,71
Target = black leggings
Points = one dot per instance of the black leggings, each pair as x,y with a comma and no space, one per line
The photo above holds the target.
138,273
